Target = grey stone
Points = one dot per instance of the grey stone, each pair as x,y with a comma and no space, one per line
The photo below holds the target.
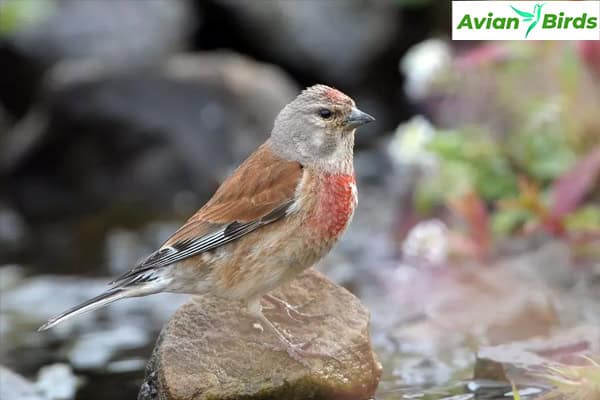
336,39
210,350
57,382
524,361
146,137
125,31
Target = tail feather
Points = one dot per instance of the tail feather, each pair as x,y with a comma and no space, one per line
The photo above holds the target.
111,295
89,305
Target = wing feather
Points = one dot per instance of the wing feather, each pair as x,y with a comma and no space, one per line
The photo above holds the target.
258,193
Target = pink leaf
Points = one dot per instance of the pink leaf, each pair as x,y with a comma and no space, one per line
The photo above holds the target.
589,51
570,189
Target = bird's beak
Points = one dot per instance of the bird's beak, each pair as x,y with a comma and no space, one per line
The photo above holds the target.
358,118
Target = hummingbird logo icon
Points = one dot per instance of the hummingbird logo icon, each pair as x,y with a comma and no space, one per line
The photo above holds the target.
530,16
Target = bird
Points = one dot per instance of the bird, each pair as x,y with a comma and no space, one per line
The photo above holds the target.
277,214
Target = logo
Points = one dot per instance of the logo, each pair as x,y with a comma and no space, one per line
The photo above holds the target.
537,13
525,20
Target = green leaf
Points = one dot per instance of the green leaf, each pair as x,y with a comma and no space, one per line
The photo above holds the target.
527,19
515,392
585,219
542,154
523,13
20,14
454,179
506,222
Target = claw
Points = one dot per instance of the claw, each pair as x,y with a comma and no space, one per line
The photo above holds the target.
292,311
296,351
299,353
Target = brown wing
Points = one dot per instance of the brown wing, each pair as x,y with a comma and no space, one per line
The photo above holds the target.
257,187
257,193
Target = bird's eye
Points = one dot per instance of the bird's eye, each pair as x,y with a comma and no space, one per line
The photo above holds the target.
325,113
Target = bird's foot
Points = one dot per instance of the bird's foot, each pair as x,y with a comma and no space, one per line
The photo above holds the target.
293,312
299,351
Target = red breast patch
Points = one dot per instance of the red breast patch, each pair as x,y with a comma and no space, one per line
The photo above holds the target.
335,205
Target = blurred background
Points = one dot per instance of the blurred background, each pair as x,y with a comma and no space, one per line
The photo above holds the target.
478,226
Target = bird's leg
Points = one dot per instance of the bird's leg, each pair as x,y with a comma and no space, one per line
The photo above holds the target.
293,312
295,351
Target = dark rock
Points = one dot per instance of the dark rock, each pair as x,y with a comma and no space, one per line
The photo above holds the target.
334,40
527,360
14,233
128,32
210,349
124,146
142,137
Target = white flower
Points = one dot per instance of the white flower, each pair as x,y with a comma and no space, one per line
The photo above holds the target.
409,144
421,64
427,243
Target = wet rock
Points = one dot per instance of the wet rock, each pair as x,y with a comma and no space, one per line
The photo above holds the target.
57,382
210,350
524,361
90,341
16,387
320,37
460,302
93,350
35,300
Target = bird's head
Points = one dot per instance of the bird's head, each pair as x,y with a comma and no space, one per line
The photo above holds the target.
317,129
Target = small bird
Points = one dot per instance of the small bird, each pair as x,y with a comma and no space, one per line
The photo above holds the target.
279,212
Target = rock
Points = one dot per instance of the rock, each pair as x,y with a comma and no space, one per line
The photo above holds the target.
526,360
57,382
131,32
320,37
10,276
94,350
21,139
463,303
551,264
137,144
90,341
14,233
210,350
16,387
144,137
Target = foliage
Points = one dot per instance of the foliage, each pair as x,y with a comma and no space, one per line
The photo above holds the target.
16,14
524,144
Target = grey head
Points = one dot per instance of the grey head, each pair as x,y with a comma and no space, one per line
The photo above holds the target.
317,129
